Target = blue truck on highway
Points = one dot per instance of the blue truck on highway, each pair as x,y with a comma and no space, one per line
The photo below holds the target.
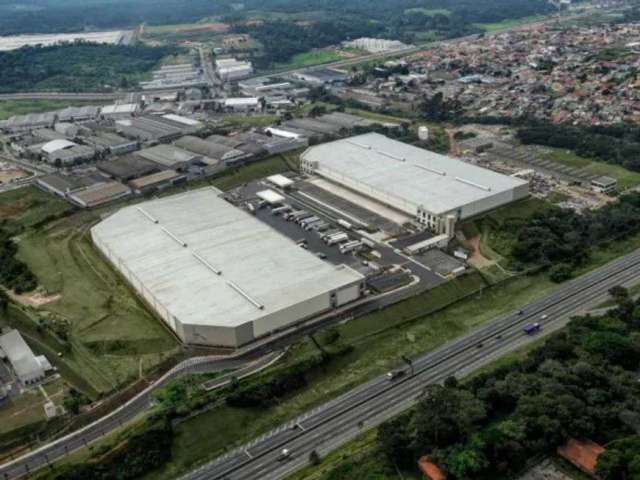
531,328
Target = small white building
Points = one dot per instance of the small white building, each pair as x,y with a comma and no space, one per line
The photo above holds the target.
241,104
230,69
28,367
604,185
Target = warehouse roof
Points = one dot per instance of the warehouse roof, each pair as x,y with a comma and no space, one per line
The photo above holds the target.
58,144
22,358
419,177
168,155
128,167
210,263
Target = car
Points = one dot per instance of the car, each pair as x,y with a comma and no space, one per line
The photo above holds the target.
480,345
285,454
394,374
499,337
520,312
544,316
321,255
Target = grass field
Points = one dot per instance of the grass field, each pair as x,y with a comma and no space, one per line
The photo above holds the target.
9,108
430,12
25,207
626,178
509,24
113,334
307,59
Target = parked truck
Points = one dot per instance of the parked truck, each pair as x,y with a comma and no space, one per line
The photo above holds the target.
309,220
345,224
279,210
339,238
350,246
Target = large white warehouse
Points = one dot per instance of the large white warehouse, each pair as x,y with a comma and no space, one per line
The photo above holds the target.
217,275
434,189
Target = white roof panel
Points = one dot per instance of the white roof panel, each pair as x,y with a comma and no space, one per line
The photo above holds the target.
253,258
270,196
413,175
55,145
280,180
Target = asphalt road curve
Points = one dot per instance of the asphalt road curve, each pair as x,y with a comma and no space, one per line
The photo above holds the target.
331,425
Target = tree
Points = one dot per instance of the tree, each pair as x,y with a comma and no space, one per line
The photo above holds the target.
560,272
4,301
314,458
446,415
394,440
466,462
619,294
615,348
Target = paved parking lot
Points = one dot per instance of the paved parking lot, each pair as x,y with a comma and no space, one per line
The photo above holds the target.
366,216
439,262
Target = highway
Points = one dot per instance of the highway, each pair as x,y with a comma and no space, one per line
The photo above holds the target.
336,422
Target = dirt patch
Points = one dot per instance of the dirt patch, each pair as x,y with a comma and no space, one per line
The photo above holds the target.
36,299
8,176
476,258
207,27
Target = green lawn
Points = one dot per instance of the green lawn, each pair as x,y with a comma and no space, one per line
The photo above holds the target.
9,108
509,24
307,59
111,332
430,12
28,206
626,178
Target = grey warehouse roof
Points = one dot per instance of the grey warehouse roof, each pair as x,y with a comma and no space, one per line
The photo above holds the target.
20,355
210,263
419,177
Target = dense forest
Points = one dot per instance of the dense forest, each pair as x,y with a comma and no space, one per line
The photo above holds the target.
408,21
14,274
54,16
51,16
619,144
77,66
563,240
581,383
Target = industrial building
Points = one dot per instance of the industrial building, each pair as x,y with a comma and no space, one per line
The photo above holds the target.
230,69
215,274
434,190
376,45
27,367
66,153
179,76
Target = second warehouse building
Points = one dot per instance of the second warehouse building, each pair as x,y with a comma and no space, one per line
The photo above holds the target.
217,275
435,190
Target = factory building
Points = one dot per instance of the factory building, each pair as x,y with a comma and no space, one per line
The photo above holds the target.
230,69
215,274
434,190
28,367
